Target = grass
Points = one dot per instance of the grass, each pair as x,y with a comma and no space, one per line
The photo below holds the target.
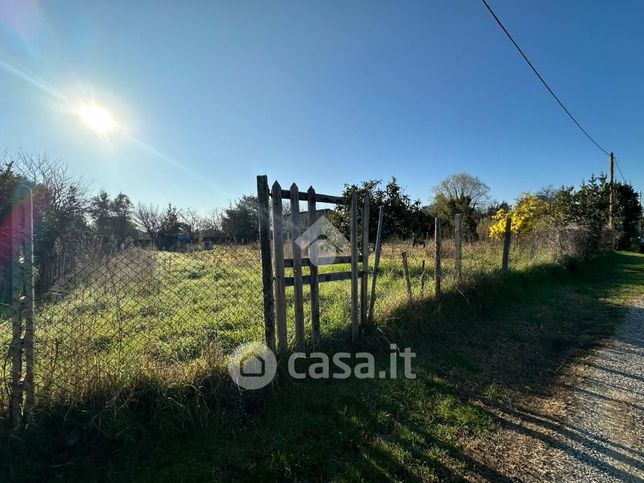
173,317
501,337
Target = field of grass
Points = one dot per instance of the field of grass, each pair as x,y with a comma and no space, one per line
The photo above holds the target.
502,338
171,318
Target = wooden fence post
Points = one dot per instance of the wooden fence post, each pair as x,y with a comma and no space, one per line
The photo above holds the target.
267,266
315,287
297,268
354,268
278,244
376,262
437,258
406,275
423,275
507,237
458,255
365,262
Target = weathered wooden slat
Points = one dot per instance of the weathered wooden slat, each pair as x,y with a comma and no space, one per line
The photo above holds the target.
365,261
267,266
297,269
306,262
354,268
303,196
315,288
376,262
278,246
322,278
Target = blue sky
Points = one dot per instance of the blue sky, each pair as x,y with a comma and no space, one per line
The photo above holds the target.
209,94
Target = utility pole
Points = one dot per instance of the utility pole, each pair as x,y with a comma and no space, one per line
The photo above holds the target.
642,215
611,195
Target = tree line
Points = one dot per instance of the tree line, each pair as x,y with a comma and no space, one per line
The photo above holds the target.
67,216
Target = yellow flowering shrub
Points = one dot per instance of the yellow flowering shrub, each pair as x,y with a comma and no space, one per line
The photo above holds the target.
527,212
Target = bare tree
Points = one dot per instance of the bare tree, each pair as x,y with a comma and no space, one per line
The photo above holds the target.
463,194
149,219
192,219
463,186
60,203
53,181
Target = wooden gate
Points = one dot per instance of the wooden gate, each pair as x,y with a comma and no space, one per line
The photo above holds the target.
274,287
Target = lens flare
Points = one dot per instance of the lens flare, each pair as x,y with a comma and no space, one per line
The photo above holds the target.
97,118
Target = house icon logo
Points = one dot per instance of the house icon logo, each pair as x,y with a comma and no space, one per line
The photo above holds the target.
252,366
323,241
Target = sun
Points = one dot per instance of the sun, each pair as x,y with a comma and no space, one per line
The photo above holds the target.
97,118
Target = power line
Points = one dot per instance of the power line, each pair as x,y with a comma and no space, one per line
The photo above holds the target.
620,171
525,57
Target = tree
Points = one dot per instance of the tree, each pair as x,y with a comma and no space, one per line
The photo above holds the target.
192,220
589,206
148,218
403,217
8,183
528,212
112,219
240,221
60,207
629,214
99,211
121,218
460,193
210,226
463,186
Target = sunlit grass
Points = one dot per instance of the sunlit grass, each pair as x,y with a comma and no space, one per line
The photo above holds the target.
172,317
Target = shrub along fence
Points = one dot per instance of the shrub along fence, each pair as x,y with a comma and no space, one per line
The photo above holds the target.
125,317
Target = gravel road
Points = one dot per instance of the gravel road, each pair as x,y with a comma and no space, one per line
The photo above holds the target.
590,429
606,419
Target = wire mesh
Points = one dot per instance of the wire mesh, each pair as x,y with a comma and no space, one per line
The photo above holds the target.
5,313
136,314
117,317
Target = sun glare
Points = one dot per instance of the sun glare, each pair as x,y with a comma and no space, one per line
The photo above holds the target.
97,118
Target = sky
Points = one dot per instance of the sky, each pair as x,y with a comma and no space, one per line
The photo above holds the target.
207,95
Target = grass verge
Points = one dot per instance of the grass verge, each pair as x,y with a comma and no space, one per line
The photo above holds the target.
504,337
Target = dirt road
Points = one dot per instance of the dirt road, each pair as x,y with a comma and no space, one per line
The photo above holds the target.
590,429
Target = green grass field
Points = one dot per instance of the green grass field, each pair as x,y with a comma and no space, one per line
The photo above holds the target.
171,318
132,381
489,343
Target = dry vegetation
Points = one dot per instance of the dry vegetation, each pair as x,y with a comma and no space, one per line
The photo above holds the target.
140,316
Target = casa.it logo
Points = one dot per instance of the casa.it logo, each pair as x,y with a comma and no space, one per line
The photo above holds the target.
323,241
252,366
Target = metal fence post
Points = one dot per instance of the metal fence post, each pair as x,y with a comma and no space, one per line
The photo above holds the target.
21,349
28,304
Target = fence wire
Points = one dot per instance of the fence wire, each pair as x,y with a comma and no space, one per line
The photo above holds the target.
126,316
5,314
119,317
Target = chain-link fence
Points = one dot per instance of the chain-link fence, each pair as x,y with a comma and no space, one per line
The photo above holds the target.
138,314
119,317
5,313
